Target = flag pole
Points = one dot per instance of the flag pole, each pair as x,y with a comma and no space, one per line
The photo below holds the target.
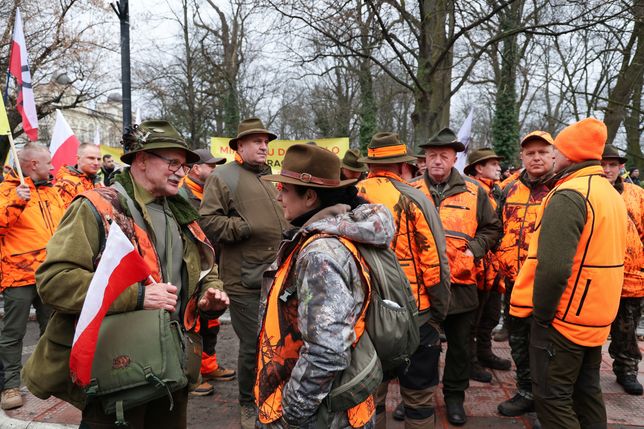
15,157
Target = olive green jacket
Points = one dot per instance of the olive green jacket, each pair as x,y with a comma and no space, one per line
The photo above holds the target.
241,216
64,277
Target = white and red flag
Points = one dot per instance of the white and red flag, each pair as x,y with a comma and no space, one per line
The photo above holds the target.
120,267
19,69
64,144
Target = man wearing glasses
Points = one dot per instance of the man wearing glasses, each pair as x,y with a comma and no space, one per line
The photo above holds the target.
240,214
143,201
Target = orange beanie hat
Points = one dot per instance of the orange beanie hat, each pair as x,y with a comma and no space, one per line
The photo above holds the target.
583,141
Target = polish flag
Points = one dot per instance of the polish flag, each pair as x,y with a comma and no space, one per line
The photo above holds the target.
120,267
64,144
19,69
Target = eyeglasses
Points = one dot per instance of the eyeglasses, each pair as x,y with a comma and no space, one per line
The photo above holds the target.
173,164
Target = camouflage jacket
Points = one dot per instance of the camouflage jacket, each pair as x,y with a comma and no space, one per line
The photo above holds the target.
330,296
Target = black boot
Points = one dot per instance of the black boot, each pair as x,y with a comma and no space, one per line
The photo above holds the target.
492,361
455,411
516,406
630,384
478,373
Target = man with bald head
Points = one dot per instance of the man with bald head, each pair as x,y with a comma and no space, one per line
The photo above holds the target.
29,215
73,180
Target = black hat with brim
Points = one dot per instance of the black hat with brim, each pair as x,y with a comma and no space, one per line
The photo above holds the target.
444,138
611,152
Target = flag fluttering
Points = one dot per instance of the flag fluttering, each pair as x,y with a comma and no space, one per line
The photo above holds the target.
97,136
120,267
464,136
64,144
19,69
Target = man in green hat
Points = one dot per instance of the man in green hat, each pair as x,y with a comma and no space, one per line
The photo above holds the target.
420,248
484,167
241,215
623,348
163,227
351,167
471,229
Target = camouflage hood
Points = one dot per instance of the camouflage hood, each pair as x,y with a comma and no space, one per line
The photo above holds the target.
368,223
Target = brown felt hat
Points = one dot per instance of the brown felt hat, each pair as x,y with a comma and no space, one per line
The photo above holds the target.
247,127
479,155
444,138
311,166
153,135
611,152
350,161
205,157
386,148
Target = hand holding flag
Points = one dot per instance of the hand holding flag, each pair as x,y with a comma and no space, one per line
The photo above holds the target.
120,267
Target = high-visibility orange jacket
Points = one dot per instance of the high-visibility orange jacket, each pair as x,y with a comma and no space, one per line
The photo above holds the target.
488,267
634,261
520,203
280,340
25,229
588,303
70,182
469,223
418,242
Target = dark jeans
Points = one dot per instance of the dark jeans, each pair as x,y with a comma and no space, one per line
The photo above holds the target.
17,303
487,317
565,381
623,344
152,415
520,349
244,313
456,376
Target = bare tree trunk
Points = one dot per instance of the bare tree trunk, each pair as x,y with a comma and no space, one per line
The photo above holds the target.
632,123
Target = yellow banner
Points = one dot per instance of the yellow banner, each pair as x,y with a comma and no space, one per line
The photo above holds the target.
116,152
4,120
277,148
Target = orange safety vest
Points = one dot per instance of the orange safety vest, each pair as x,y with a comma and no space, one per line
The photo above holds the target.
71,182
280,341
633,196
107,204
458,215
519,215
410,243
488,266
590,301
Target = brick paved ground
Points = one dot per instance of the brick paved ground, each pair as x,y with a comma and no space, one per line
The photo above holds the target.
221,410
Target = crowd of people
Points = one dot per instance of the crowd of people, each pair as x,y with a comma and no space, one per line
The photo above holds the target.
554,250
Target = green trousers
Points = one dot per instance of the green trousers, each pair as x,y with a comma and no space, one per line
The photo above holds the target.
244,313
17,303
565,381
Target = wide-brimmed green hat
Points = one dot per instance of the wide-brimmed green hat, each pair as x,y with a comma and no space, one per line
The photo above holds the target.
311,166
247,127
386,148
154,135
420,153
350,161
444,138
611,152
479,155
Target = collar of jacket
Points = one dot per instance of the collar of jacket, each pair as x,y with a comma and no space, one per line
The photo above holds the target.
260,169
593,167
386,173
76,172
181,209
194,184
531,184
13,177
455,184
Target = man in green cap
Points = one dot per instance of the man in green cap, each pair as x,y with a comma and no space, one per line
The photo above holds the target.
351,167
241,215
471,229
143,202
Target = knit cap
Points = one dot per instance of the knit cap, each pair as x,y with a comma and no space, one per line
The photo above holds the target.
582,141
